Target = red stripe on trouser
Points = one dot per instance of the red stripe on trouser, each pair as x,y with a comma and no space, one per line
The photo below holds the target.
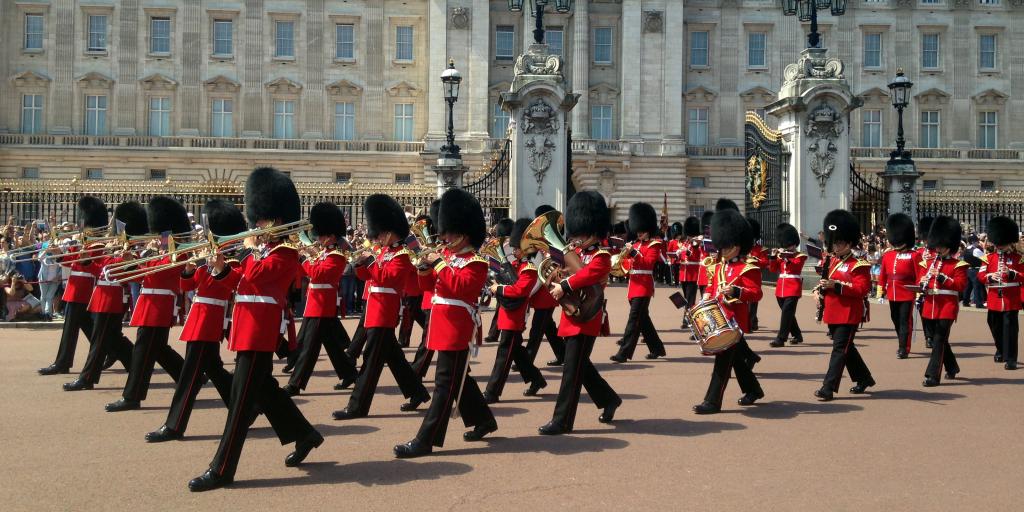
241,399
192,384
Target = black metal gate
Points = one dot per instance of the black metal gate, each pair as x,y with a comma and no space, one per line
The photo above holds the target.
764,176
869,199
492,189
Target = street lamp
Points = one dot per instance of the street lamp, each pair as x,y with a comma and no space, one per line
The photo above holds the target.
537,9
899,90
807,10
450,80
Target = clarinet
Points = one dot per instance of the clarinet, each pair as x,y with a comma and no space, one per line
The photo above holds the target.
826,264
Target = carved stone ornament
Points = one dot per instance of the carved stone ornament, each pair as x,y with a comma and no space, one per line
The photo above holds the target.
654,22
907,193
539,123
537,61
458,17
823,128
222,84
814,64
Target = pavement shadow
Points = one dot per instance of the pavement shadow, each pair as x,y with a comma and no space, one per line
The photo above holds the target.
263,431
554,445
367,474
983,381
608,367
504,412
669,427
917,395
816,377
784,410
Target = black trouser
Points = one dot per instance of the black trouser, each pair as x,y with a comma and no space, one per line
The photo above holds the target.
674,273
355,349
474,410
788,325
150,348
76,318
689,295
639,322
201,358
845,354
107,338
331,334
543,324
382,348
942,352
492,331
753,316
727,362
1004,327
579,371
510,348
411,312
902,313
421,361
254,386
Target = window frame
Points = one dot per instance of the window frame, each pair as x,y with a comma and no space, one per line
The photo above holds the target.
153,20
404,121
597,129
923,132
229,114
100,115
937,51
610,45
87,173
214,39
339,43
345,117
26,175
162,114
706,48
104,35
994,53
990,188
506,31
403,178
555,29
865,123
497,114
26,34
38,117
277,54
289,119
400,44
764,50
342,177
154,174
706,125
929,185
983,125
880,51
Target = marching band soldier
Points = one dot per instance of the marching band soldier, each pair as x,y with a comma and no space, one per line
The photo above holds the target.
502,230
942,280
205,324
107,306
743,350
426,277
321,324
689,262
760,256
675,240
586,223
845,283
788,263
455,324
156,310
703,275
512,322
542,323
1002,276
924,253
270,200
899,270
388,269
643,223
92,214
412,312
735,283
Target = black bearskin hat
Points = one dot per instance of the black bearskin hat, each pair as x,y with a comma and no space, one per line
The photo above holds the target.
899,229
167,214
787,235
518,228
382,214
755,228
730,229
542,209
504,227
587,215
92,213
460,214
945,232
643,219
133,215
726,204
434,205
675,230
327,220
705,223
224,218
1002,231
270,194
691,226
619,228
923,227
840,226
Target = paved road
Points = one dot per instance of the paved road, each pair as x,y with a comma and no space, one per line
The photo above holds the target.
902,447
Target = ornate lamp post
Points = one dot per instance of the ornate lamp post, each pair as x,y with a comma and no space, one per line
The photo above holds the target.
900,171
450,80
537,8
807,10
899,90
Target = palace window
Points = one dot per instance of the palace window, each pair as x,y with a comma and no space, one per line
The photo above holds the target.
930,129
601,122
873,50
94,173
158,174
33,31
222,120
698,182
603,43
30,173
871,128
504,42
930,51
499,125
345,36
554,37
697,210
159,117
284,39
988,185
32,113
697,126
987,52
160,35
284,119
988,130
403,179
404,121
97,33
929,184
757,43
699,48
403,43
344,121
223,34
342,177
95,115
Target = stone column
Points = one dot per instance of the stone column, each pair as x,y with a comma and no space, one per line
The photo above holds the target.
672,128
629,63
479,67
252,70
814,111
373,96
581,70
437,19
61,108
193,51
7,96
127,84
314,63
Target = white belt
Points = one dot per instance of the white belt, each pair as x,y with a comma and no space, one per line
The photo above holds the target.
103,282
378,289
1008,285
641,272
689,263
210,301
75,273
472,309
157,291
941,292
258,299
790,276
321,286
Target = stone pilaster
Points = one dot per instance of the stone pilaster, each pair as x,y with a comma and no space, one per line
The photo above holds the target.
252,70
376,60
7,112
313,61
126,86
1015,61
581,70
62,90
732,55
190,88
629,63
479,65
437,19
965,62
672,126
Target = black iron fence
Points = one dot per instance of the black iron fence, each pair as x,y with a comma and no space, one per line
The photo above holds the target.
492,189
973,208
869,199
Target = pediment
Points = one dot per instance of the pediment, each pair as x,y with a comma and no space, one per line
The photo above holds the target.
344,88
758,94
700,93
603,93
499,88
221,83
158,82
932,96
403,89
93,79
30,79
874,95
990,97
283,85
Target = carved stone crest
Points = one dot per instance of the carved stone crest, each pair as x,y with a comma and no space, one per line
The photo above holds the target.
654,22
823,128
459,17
814,64
907,191
539,123
536,61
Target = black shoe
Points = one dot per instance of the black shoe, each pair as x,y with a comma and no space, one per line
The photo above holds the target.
951,375
415,402
535,386
555,362
861,387
930,382
347,414
927,343
609,412
490,340
288,368
479,432
123,405
552,429
77,385
53,370
901,355
706,407
108,362
291,390
617,359
1010,365
412,449
302,449
823,394
796,341
620,341
777,344
998,357
208,481
163,434
344,384
490,398
750,398
753,361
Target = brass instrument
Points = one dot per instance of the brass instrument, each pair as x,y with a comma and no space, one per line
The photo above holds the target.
627,252
818,290
933,270
504,274
544,234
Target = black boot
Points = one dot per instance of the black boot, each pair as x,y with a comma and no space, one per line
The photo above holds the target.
347,414
824,394
609,412
538,384
208,481
750,398
706,407
415,402
413,449
552,429
123,405
862,386
53,370
302,449
77,385
479,432
164,433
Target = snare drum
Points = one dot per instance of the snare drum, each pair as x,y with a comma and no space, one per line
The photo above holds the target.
714,330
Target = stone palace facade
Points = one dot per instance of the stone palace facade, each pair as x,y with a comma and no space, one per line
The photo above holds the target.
349,90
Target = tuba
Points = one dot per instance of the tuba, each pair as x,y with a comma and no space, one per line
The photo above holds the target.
545,235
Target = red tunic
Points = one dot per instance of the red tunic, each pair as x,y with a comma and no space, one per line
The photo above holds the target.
641,269
596,264
899,268
207,318
541,298
426,282
107,296
942,292
844,302
672,251
386,277
703,276
740,273
516,320
455,318
262,298
760,256
83,274
324,278
689,261
157,305
1003,299
789,267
